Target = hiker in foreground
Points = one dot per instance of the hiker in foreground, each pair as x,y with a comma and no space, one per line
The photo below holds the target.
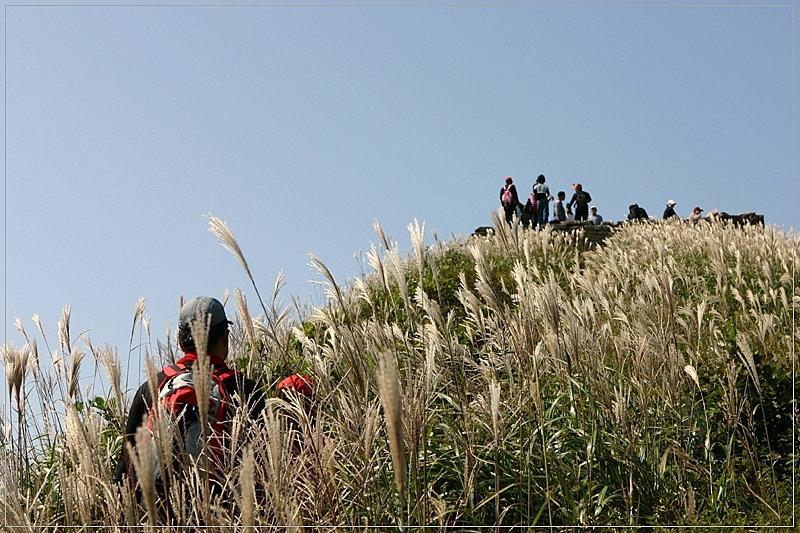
198,455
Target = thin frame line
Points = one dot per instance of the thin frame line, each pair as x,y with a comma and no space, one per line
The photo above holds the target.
5,179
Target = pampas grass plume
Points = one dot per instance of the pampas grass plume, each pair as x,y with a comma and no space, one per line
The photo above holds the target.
389,388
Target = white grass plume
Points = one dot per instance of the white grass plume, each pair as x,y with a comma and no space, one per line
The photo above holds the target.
138,314
247,490
381,235
63,329
74,373
417,234
110,361
200,372
747,359
374,260
16,366
225,237
389,388
143,457
38,322
247,322
397,270
332,291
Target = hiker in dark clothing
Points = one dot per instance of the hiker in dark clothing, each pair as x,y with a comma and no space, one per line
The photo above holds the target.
233,393
669,212
637,213
529,212
509,199
581,201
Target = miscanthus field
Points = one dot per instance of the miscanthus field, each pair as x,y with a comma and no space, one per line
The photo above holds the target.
515,379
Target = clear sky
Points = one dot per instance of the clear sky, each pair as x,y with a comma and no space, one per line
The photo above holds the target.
301,125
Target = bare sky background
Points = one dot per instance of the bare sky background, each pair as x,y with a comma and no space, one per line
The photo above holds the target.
301,125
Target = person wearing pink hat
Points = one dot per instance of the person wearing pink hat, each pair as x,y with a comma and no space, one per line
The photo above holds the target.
696,215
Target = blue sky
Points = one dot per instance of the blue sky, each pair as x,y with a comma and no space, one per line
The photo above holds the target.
301,125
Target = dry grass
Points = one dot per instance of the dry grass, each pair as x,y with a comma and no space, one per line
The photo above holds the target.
629,385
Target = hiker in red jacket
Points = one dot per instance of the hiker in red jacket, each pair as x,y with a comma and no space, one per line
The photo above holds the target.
225,385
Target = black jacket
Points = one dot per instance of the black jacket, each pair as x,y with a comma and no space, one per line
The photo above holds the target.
514,197
580,199
638,214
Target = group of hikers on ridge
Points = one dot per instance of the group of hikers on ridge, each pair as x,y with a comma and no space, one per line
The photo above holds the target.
536,211
638,213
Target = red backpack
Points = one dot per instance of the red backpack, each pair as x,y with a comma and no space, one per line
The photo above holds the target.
177,395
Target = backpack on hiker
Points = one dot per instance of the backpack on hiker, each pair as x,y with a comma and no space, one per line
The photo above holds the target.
582,198
177,398
508,198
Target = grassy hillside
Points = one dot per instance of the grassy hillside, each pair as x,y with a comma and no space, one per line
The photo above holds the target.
503,380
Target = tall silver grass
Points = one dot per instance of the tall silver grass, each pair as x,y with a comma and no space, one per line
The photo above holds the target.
555,353
389,387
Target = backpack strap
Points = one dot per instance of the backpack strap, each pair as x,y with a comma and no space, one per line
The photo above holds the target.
224,373
171,371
